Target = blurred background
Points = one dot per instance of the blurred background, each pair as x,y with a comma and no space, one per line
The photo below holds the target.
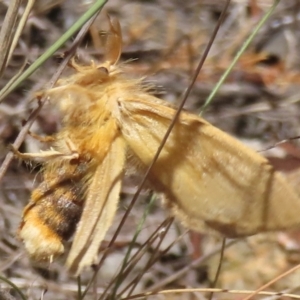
163,41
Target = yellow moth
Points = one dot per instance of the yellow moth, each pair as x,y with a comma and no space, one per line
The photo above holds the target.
210,181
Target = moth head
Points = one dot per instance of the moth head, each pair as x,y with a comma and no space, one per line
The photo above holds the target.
95,74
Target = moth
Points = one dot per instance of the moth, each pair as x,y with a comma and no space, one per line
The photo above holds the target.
210,181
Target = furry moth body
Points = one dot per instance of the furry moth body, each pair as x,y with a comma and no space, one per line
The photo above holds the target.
211,181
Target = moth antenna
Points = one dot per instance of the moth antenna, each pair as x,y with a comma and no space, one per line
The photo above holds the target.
113,45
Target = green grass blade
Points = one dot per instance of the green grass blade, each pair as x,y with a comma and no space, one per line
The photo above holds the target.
239,54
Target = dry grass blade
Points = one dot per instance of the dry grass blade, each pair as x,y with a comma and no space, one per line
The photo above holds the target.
157,253
213,285
194,264
20,27
187,291
130,263
292,270
8,29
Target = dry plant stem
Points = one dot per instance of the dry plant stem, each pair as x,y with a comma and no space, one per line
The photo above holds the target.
128,268
204,56
125,263
194,264
152,260
16,75
219,267
290,271
79,292
19,140
156,253
142,249
150,263
282,142
133,262
21,25
8,262
6,34
127,271
206,290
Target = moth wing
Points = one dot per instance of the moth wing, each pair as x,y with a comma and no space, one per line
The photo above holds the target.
210,179
99,210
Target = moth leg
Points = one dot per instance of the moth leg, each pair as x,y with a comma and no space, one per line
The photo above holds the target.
72,148
49,154
43,139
